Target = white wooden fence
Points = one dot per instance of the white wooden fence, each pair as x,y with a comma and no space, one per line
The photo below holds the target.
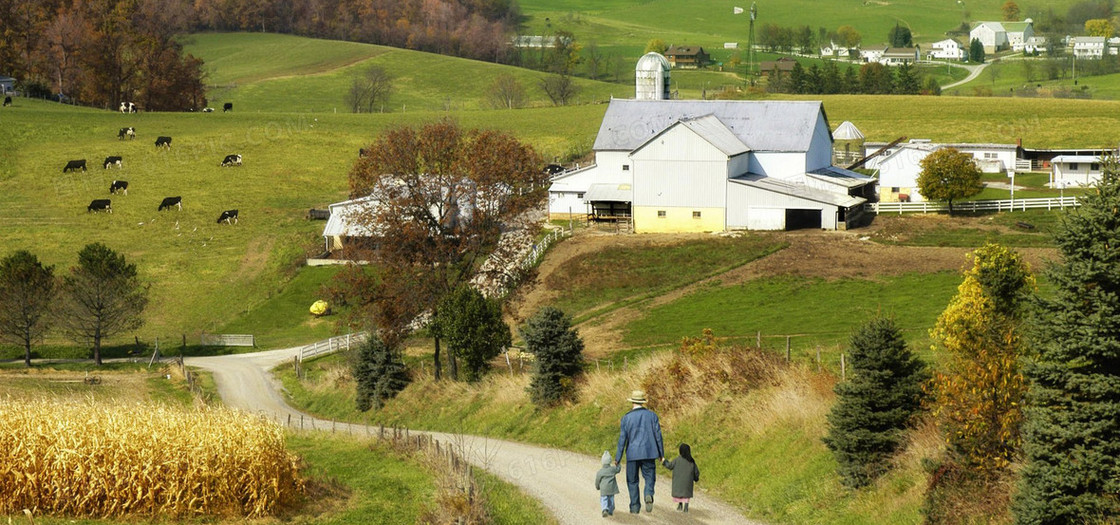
540,248
334,344
972,206
228,340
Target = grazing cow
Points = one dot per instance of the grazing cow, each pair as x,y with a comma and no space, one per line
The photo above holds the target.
227,216
75,165
7,101
207,110
129,132
128,107
168,202
362,153
100,205
113,161
553,169
163,141
119,185
228,106
231,160
318,215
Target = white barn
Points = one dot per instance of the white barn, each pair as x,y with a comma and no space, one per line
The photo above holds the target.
900,166
694,166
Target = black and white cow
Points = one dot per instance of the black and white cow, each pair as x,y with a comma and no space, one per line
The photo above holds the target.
163,141
553,169
362,153
129,132
227,216
228,106
113,161
100,205
168,202
7,101
207,110
128,107
119,185
75,165
231,160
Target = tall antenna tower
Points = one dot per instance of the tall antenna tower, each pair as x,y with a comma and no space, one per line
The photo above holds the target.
750,43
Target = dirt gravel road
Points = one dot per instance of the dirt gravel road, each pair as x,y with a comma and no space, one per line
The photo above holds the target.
562,481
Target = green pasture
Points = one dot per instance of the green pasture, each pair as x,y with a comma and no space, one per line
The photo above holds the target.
1009,78
205,276
315,76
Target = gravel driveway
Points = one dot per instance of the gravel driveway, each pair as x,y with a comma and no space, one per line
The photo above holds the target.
562,481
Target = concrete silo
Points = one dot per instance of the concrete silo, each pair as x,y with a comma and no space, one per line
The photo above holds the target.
652,77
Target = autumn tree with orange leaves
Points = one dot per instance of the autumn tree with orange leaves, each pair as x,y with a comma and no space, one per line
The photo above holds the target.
440,197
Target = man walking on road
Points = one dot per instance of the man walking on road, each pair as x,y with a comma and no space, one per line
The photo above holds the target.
640,438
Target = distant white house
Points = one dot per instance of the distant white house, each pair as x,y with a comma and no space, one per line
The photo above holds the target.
890,56
947,49
997,36
900,166
872,53
1074,170
1089,47
1035,44
834,50
1113,45
538,41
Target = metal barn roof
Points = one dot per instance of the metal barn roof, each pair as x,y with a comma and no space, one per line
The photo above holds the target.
784,126
711,130
609,192
800,191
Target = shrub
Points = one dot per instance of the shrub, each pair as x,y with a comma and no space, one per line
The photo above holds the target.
379,373
558,356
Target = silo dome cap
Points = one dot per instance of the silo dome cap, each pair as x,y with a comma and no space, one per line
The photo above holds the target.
652,62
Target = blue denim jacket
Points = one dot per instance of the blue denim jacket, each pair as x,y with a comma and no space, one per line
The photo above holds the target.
640,436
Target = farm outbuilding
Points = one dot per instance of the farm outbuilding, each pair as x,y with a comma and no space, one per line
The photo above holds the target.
7,84
1075,170
694,166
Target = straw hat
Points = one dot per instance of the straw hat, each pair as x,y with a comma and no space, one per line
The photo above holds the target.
637,397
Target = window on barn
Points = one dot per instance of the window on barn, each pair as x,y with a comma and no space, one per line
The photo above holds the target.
1094,167
895,189
991,156
579,195
695,215
660,214
1073,166
625,167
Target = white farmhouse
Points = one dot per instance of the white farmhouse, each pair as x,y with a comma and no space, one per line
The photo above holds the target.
1035,44
694,166
947,49
872,53
1074,170
1090,47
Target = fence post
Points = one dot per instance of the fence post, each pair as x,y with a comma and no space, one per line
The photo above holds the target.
843,368
818,358
787,348
758,339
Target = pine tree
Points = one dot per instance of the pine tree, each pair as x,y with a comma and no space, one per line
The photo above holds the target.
976,51
907,82
876,404
1072,430
558,355
379,374
473,328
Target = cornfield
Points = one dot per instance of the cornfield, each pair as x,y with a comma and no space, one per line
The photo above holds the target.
97,460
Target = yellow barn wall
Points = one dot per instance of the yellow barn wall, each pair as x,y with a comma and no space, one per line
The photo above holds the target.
677,220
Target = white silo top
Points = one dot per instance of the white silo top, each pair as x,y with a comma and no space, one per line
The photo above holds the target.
653,62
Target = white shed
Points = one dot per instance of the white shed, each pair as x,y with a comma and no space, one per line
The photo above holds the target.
1075,170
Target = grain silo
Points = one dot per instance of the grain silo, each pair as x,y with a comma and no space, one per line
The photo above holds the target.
652,77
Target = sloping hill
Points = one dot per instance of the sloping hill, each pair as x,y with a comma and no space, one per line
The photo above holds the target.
269,72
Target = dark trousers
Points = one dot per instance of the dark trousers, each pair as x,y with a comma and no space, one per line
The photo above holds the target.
649,472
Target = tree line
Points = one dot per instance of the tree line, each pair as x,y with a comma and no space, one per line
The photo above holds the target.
871,79
101,52
100,297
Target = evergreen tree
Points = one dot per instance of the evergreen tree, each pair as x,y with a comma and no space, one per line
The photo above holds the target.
379,373
976,51
814,81
876,79
473,328
876,404
558,355
1071,433
831,83
851,81
907,81
900,36
931,87
797,79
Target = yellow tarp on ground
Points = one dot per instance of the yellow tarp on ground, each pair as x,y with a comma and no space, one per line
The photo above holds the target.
320,308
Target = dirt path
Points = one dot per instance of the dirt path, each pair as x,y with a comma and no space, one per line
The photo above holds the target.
811,253
560,480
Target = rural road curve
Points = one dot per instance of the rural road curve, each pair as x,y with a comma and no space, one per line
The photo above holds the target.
562,481
973,72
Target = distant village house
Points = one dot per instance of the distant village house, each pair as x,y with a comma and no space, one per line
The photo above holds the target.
687,57
948,49
781,66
